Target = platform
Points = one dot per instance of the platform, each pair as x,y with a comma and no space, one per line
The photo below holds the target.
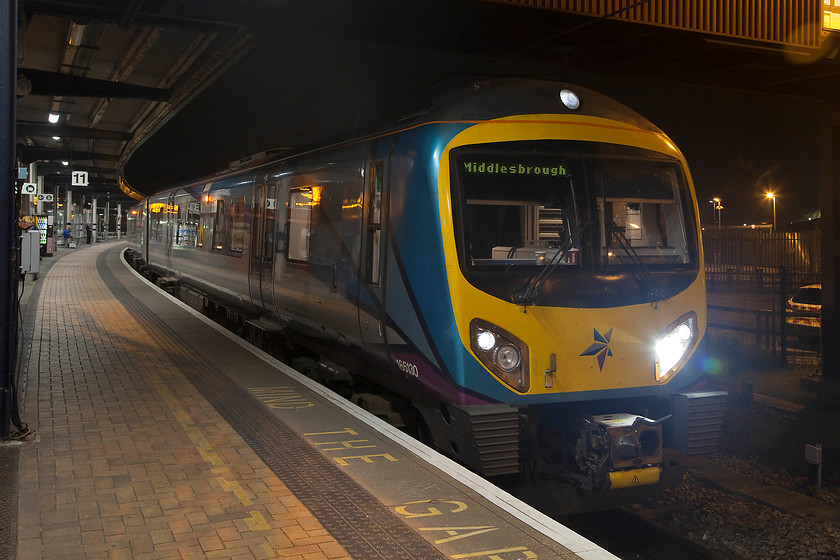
161,435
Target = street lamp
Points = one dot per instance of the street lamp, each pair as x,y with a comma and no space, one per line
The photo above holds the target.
717,206
772,196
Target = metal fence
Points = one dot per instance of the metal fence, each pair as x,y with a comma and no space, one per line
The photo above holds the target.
750,274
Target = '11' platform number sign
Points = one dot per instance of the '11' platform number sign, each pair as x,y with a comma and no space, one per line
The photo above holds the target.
79,179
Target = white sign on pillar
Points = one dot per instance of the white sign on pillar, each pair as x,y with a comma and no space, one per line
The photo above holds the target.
79,179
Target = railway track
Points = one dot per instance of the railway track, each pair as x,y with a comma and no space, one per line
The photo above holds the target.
634,535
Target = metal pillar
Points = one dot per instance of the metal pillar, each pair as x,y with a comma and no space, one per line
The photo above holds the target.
119,221
93,213
68,211
830,226
8,206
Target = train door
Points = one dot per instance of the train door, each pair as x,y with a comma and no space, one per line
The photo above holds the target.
372,318
263,250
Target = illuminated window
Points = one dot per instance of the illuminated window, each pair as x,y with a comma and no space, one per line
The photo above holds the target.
217,225
156,223
236,226
299,223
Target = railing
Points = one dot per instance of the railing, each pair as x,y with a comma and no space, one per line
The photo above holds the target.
745,249
746,316
750,274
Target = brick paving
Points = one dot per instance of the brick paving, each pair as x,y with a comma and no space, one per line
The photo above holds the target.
131,461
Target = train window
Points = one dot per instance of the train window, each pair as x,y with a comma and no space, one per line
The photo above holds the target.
155,221
188,213
586,207
299,222
523,204
374,224
236,226
641,212
217,225
202,225
162,220
519,210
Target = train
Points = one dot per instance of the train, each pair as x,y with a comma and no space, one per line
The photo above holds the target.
517,267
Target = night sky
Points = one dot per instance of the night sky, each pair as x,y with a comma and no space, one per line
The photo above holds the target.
738,146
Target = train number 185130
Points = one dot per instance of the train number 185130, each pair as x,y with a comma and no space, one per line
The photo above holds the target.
408,367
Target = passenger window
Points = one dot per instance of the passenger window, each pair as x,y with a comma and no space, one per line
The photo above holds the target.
206,218
187,222
236,226
374,224
189,226
299,223
154,219
217,225
203,224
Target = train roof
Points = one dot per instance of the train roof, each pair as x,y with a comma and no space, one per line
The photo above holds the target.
493,99
477,101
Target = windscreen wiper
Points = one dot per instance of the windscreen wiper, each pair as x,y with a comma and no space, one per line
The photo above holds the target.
528,294
640,271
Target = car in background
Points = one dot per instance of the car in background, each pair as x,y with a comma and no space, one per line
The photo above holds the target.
803,311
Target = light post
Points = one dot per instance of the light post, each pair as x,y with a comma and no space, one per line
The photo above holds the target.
772,196
718,206
715,202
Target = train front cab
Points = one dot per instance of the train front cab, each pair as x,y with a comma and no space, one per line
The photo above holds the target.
576,281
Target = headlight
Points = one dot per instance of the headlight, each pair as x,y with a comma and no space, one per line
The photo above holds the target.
674,345
501,352
486,340
507,357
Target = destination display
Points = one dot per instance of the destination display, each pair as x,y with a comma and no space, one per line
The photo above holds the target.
513,168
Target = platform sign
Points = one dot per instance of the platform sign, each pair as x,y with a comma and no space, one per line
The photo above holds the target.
44,198
79,179
831,15
29,188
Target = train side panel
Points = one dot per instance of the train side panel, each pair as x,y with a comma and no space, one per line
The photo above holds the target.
316,269
421,333
199,234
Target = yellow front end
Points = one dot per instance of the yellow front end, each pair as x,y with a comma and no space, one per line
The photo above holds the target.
570,349
577,350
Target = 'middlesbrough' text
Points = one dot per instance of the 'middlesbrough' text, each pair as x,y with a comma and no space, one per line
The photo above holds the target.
495,168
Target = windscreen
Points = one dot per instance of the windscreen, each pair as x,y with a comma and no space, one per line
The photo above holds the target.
518,210
589,211
640,212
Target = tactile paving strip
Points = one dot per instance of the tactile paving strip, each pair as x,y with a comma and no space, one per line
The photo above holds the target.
8,502
358,521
